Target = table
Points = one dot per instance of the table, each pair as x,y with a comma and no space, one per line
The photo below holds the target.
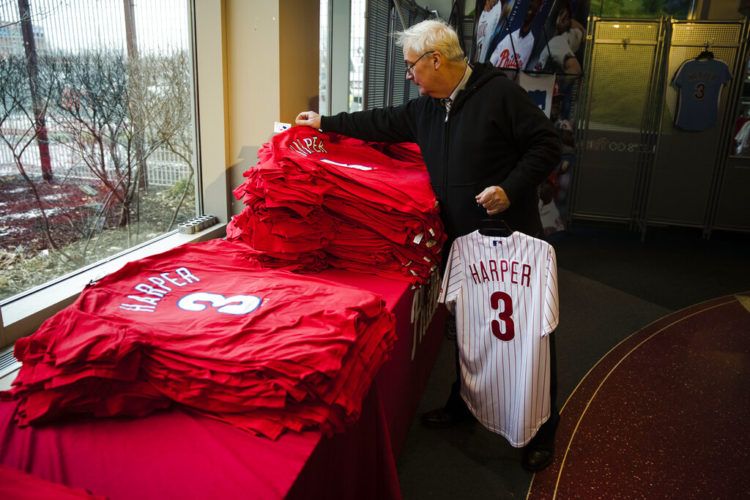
178,454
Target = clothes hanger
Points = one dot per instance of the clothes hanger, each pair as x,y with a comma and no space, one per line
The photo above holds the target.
494,226
706,54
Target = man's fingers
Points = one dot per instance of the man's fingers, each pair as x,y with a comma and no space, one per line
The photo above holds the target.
304,118
485,195
308,118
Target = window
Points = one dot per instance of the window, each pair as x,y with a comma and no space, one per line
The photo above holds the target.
324,102
341,84
383,58
96,132
679,9
98,156
356,55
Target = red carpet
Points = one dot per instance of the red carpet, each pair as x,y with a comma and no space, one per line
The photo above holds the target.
664,414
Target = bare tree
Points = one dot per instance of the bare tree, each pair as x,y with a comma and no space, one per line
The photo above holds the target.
136,90
18,126
114,129
89,104
174,128
29,45
93,115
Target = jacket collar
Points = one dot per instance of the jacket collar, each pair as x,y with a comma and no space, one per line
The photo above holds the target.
481,73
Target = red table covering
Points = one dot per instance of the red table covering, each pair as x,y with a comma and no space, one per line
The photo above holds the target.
176,454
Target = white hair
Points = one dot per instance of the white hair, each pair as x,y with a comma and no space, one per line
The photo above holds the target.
432,34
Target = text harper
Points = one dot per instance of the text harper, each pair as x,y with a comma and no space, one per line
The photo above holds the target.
158,288
518,273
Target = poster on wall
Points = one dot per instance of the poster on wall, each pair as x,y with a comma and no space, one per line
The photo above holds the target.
541,42
513,41
489,17
531,35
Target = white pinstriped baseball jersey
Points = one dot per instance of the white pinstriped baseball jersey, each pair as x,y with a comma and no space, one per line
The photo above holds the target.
503,291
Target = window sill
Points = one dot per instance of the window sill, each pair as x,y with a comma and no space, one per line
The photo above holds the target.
22,316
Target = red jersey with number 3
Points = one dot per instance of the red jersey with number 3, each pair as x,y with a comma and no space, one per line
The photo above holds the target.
263,350
503,291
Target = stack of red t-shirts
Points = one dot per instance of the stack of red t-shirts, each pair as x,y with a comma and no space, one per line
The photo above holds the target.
264,350
316,200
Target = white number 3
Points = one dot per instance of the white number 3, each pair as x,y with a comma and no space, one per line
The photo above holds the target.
236,304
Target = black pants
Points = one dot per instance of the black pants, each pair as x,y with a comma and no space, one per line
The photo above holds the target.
545,437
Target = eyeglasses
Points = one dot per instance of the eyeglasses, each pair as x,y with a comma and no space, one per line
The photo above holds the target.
410,69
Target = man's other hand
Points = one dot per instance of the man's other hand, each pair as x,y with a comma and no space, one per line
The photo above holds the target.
309,118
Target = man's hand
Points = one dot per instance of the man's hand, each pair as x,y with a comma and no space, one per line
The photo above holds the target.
309,118
493,199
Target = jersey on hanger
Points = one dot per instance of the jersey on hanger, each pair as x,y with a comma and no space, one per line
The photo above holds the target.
503,291
699,83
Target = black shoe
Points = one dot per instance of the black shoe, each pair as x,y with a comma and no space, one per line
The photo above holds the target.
536,458
447,416
539,453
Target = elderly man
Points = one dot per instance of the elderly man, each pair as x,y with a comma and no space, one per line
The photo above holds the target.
486,146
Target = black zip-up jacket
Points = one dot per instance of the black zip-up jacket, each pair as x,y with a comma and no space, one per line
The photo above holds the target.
494,136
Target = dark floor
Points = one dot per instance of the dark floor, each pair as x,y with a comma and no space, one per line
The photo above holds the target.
611,284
